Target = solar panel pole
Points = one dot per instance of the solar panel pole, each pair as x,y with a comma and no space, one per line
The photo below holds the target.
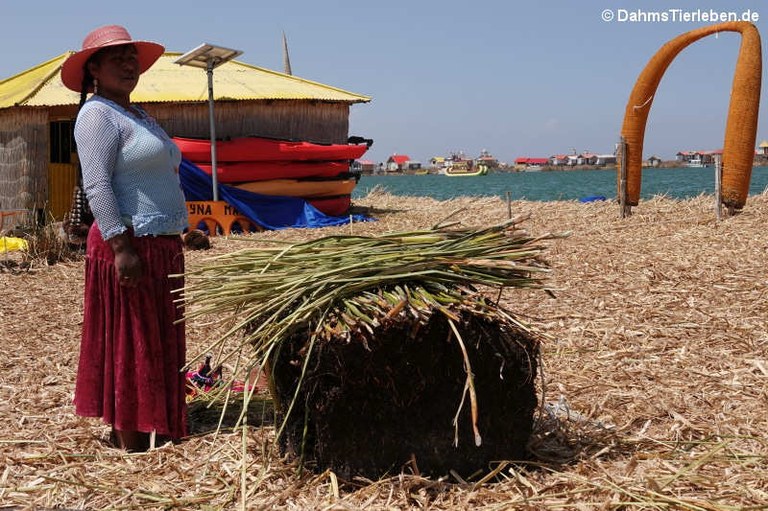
208,57
214,168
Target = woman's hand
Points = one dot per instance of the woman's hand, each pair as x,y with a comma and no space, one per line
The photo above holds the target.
127,261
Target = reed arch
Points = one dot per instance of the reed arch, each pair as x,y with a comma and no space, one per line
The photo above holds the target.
741,126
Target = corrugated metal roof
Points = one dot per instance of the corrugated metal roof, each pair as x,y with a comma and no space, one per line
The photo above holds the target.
169,82
19,88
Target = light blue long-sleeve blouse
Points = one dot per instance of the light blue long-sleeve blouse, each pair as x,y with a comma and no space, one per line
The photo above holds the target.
130,170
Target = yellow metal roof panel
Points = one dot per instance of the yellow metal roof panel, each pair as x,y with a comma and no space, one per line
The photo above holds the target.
21,87
167,81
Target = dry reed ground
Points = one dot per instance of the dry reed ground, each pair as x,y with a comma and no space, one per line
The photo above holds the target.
655,379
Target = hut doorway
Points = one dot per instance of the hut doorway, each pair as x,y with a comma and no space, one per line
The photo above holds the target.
62,167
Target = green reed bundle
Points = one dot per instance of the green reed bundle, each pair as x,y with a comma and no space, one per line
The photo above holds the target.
338,285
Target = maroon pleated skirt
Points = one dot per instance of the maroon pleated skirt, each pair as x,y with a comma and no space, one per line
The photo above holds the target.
131,352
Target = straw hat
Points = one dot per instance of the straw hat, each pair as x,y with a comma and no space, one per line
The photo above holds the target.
110,35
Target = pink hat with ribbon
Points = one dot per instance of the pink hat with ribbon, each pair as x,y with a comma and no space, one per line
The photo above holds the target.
72,70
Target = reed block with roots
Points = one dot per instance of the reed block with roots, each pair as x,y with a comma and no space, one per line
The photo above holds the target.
398,398
386,352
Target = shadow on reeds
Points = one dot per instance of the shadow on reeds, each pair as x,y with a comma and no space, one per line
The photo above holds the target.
372,210
562,437
13,266
204,416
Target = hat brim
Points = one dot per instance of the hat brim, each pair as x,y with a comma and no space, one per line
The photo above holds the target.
72,70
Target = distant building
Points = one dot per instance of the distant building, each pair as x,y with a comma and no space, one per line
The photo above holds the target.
653,161
698,157
586,158
558,159
763,148
412,165
708,157
687,156
526,163
437,162
397,162
605,159
364,166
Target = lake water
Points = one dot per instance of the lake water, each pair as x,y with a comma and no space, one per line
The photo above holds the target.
555,185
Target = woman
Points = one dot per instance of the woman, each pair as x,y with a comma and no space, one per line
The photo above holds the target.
132,351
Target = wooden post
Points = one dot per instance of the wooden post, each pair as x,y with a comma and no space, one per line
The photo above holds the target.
625,210
718,187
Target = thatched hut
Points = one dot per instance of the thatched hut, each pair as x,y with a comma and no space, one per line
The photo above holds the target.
37,152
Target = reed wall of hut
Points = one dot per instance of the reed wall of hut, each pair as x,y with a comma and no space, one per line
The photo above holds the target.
23,158
316,121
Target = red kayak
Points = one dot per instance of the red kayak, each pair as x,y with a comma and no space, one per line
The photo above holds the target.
333,206
266,149
243,172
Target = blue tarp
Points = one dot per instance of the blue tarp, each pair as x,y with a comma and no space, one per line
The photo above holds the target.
593,198
269,211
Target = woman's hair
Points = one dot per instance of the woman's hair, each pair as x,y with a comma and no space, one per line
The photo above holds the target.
84,87
87,82
87,79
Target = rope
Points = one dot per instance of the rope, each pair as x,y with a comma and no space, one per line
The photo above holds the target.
638,107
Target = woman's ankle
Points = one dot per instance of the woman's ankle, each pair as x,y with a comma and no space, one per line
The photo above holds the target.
131,441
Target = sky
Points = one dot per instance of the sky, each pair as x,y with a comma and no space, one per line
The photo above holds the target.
514,78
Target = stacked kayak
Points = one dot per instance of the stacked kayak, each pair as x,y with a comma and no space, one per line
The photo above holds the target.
267,149
318,173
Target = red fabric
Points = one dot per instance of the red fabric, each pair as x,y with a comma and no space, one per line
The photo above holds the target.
132,353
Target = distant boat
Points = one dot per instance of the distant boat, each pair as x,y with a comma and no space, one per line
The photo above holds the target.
466,168
487,159
695,163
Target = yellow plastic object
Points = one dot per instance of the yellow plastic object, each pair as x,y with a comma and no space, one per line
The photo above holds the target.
741,126
10,244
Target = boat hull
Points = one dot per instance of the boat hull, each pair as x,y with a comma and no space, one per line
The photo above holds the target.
242,172
266,149
300,188
464,168
479,172
332,206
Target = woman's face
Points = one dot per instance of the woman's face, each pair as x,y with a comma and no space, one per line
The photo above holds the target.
117,70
